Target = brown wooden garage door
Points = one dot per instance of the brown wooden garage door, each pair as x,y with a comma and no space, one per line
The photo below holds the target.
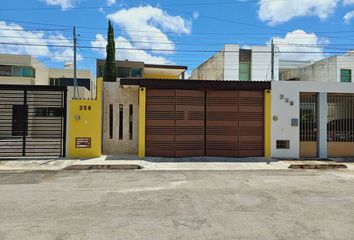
222,123
189,135
160,123
186,123
251,124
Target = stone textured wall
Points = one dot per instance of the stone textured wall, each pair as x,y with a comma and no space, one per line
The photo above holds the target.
114,94
212,69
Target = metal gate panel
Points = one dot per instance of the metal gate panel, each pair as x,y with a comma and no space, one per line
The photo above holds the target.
340,125
222,123
308,125
160,123
189,123
11,139
251,124
32,121
46,127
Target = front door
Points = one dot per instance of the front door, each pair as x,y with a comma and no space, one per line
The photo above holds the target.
19,116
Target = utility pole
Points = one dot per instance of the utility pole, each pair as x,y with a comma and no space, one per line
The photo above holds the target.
272,47
75,78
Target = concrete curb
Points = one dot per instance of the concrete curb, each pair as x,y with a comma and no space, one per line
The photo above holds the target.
104,167
318,166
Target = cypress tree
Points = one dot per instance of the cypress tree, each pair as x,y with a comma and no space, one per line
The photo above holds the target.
110,70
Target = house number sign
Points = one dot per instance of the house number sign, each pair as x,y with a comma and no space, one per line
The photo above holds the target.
85,108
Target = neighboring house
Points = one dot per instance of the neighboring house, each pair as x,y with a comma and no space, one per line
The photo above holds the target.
234,63
27,70
121,103
129,69
332,69
285,66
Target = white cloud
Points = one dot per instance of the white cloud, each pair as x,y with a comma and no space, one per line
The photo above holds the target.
13,33
121,54
348,2
302,45
275,12
348,16
146,26
64,4
110,2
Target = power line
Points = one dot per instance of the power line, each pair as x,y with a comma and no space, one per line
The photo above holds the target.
159,50
170,32
328,46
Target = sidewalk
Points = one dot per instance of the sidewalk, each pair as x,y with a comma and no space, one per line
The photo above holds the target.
217,164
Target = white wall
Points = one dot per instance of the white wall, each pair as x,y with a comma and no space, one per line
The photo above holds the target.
261,68
231,62
282,129
345,62
327,70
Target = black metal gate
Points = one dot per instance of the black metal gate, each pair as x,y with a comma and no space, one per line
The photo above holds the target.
32,121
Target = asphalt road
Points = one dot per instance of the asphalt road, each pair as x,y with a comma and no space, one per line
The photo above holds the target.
264,205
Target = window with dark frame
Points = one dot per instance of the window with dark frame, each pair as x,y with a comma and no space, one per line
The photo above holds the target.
130,121
283,144
54,81
345,75
6,70
41,111
120,122
55,112
110,121
123,72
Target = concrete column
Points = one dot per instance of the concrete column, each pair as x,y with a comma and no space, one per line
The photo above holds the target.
231,62
322,111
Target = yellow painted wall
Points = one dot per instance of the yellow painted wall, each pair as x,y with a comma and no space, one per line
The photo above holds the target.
161,76
84,119
267,123
142,116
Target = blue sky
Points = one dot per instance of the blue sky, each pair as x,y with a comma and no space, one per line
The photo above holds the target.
173,31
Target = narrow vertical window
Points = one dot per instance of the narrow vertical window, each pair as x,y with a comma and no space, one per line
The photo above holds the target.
110,121
121,121
130,121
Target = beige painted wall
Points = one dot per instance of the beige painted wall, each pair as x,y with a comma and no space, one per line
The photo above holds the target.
84,93
16,60
114,94
68,73
43,73
17,80
12,59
